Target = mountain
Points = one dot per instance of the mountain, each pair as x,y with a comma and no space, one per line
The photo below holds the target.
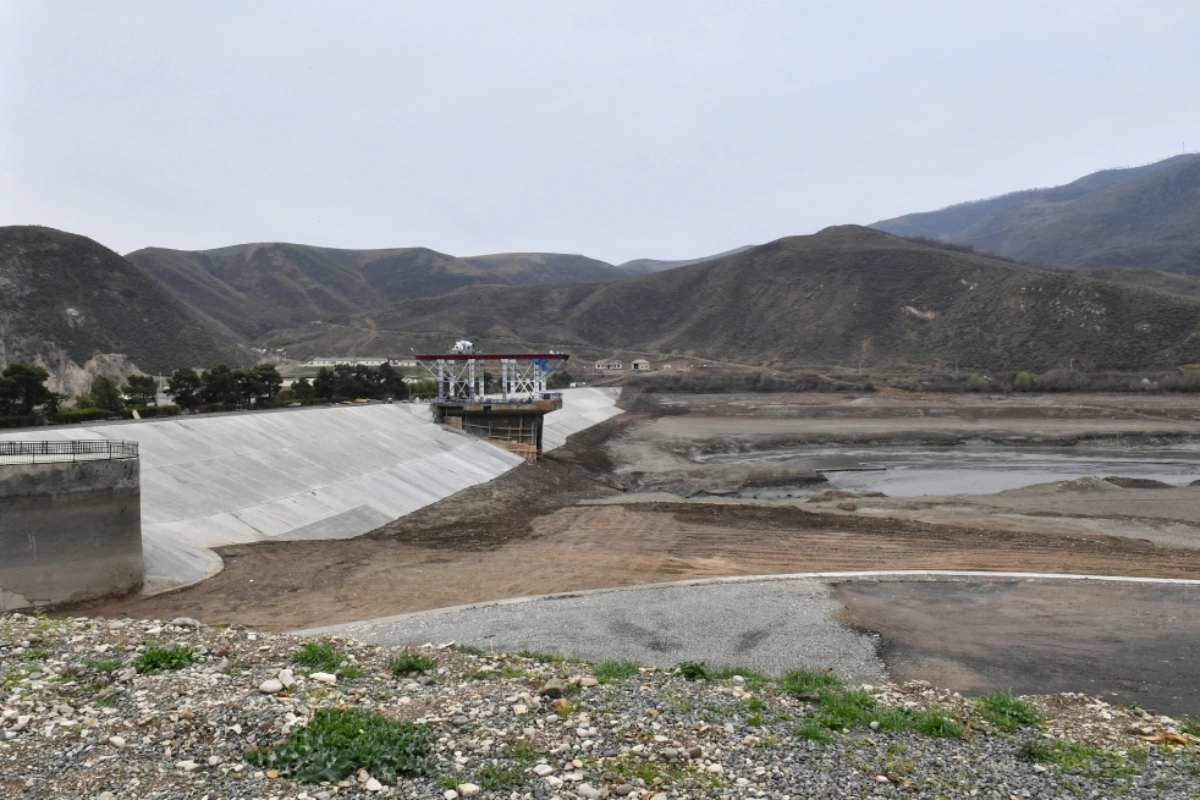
1146,217
77,307
1165,282
844,295
254,288
640,266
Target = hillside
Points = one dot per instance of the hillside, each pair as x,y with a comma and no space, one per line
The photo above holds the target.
67,302
845,295
645,265
1146,217
254,288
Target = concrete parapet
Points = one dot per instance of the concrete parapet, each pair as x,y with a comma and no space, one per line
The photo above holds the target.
69,530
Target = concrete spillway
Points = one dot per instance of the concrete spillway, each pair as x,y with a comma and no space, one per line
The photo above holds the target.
317,473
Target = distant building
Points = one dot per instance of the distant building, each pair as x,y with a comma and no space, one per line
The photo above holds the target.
640,365
334,361
609,365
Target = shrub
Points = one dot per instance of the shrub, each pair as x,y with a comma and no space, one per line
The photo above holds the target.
802,680
83,415
1023,382
408,661
338,742
156,657
693,670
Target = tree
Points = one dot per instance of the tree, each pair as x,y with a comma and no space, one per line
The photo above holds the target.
270,379
325,384
24,387
219,385
183,386
559,379
105,394
141,390
303,389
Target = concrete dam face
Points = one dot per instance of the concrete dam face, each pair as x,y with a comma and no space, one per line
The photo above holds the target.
315,473
70,522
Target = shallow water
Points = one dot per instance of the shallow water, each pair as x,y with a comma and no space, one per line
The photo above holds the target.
977,468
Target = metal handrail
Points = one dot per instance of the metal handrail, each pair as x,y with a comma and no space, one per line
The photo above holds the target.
68,451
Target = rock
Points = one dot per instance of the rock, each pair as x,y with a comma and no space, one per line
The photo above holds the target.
560,706
271,686
554,782
694,753
555,687
450,794
287,678
623,790
468,789
323,677
670,754
187,622
662,795
106,796
542,770
587,683
187,766
519,709
874,724
460,721
715,769
116,741
588,792
373,785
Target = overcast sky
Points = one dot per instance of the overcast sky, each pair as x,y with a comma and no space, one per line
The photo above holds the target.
615,129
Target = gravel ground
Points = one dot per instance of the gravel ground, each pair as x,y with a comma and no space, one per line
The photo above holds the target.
769,626
77,720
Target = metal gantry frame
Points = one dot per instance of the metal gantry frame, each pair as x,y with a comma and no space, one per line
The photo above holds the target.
460,376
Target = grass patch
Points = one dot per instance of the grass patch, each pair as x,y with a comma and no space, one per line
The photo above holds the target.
470,650
321,657
408,662
507,672
631,767
1189,726
494,777
35,654
936,722
753,679
545,658
156,658
523,754
1080,759
338,742
812,729
802,681
1007,712
103,664
609,671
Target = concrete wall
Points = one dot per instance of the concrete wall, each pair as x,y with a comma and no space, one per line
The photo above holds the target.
313,473
69,531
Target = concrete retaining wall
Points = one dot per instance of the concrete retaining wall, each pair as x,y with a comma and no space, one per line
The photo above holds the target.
69,531
315,473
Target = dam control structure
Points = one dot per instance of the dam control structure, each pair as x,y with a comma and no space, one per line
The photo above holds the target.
513,417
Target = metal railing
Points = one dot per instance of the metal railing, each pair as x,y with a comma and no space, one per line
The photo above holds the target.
56,452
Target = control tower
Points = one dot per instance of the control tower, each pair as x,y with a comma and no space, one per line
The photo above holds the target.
512,417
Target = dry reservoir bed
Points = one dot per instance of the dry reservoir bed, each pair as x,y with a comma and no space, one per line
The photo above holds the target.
631,502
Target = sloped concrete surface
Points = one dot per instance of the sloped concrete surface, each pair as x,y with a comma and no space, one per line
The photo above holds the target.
316,473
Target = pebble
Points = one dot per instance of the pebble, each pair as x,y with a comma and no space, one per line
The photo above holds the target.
116,741
468,789
324,677
542,770
555,687
373,785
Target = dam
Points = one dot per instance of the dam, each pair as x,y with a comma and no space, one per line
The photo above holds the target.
312,473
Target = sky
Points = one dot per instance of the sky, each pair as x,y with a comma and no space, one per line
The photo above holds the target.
620,130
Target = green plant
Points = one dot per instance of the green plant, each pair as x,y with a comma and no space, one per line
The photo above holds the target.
338,742
35,654
693,670
803,681
494,777
812,729
321,657
470,650
103,664
408,661
1007,712
1080,759
522,753
545,658
156,657
1189,726
751,677
609,671
754,704
936,722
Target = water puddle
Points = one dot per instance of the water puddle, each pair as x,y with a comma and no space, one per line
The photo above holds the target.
976,468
